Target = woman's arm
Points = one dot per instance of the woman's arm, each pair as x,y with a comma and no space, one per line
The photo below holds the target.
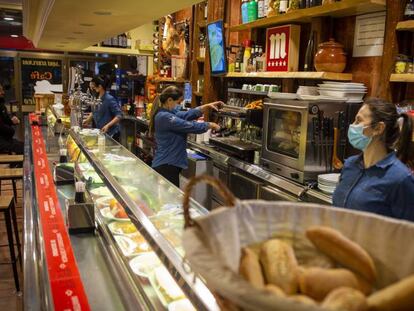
403,203
170,122
196,113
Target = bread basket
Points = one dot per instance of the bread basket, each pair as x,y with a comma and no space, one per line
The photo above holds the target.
212,243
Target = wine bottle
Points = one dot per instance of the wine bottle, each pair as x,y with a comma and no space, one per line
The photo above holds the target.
244,11
260,9
409,10
310,53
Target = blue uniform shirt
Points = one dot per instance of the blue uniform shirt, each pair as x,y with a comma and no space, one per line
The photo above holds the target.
386,188
108,110
171,129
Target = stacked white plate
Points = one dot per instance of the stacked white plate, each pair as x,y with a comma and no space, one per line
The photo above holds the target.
352,92
328,182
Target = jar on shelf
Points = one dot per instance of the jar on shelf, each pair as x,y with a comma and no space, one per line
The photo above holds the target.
401,64
410,67
330,57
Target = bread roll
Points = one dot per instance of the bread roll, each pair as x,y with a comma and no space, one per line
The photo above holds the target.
363,285
250,268
345,299
279,265
275,290
398,296
318,282
304,299
348,253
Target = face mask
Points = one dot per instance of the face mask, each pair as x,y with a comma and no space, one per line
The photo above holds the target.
357,138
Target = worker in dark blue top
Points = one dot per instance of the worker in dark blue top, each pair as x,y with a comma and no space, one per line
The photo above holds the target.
108,114
170,127
377,181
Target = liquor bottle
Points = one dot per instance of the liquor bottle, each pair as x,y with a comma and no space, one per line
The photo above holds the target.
409,10
266,7
205,10
254,58
115,42
244,11
260,8
252,11
246,56
284,4
260,60
129,41
239,60
310,53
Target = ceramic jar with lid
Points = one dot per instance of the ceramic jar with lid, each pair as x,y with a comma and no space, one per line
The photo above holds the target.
330,57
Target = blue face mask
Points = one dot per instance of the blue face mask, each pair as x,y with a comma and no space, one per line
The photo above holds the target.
357,138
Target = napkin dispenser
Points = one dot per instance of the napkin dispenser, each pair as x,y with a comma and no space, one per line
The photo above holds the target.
80,216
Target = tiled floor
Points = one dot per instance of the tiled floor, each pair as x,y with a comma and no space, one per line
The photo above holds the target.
9,299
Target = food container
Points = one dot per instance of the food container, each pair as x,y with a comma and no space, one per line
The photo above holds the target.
330,57
350,95
401,63
307,90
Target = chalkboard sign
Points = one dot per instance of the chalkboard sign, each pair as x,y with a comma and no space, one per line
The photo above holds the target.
35,69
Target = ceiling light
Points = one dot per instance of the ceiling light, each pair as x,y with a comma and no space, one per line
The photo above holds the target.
102,13
87,25
14,36
8,19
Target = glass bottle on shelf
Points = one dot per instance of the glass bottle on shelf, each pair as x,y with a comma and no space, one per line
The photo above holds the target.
252,11
260,61
114,41
283,6
129,41
238,63
244,10
246,56
310,53
409,10
260,9
266,7
205,10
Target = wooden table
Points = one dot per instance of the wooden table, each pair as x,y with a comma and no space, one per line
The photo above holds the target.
9,159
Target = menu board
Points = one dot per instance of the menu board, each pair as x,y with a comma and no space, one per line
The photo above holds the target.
36,69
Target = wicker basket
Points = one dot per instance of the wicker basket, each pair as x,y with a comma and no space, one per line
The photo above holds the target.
213,242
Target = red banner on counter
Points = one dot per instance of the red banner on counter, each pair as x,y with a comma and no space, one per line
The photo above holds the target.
65,282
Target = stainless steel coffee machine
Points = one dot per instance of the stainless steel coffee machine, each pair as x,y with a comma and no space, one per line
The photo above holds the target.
298,138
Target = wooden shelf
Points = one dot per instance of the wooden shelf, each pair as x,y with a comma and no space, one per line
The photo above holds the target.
406,26
170,80
337,9
403,77
198,94
293,75
115,51
200,59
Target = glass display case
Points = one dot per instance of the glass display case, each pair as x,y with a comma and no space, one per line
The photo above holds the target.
140,214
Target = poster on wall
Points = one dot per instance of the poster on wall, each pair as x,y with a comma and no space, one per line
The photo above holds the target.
35,69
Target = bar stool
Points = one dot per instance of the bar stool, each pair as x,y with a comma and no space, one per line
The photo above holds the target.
7,207
12,174
11,158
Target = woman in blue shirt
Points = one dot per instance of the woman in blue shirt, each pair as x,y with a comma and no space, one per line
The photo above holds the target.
170,127
377,181
108,114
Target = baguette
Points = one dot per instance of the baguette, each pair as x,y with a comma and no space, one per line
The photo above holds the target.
395,297
317,282
345,299
274,290
250,268
279,265
348,253
304,299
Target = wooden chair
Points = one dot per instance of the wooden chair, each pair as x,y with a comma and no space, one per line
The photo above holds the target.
7,207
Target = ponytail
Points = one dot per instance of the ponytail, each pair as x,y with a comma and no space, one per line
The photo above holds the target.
156,105
405,144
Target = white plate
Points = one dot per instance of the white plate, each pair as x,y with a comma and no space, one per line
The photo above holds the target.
128,247
340,87
328,190
103,202
278,95
101,192
308,97
181,305
330,178
333,99
352,96
346,84
144,263
114,230
106,213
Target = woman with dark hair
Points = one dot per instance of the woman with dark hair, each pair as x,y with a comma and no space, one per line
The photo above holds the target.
170,127
377,181
108,114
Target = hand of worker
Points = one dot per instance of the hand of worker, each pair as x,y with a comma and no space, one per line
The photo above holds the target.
214,105
105,129
15,120
214,126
